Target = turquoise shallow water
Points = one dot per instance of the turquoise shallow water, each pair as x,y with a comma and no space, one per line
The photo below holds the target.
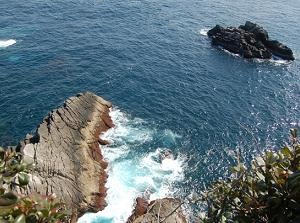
150,59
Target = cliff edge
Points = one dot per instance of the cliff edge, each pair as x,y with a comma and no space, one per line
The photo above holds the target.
65,151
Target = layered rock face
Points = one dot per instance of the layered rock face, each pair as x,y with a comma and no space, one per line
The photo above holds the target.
66,154
167,210
249,41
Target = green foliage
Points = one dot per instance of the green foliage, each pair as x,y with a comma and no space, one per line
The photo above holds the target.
35,208
14,207
269,191
11,166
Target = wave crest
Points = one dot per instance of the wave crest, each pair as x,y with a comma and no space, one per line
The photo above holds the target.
135,169
204,31
7,43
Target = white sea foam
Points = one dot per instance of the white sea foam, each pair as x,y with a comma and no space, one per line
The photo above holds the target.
7,43
133,170
227,51
204,31
276,61
280,61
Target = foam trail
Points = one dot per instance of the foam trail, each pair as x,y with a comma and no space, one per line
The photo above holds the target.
280,61
7,43
133,170
274,61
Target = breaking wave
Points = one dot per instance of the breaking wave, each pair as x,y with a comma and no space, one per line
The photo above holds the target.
204,31
7,43
135,167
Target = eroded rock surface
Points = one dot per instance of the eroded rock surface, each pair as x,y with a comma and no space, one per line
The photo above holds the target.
167,210
66,154
249,41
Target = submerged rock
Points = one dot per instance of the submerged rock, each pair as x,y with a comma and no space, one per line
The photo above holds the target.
65,151
166,154
167,210
249,41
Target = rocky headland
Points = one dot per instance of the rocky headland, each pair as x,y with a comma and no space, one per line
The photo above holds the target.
249,41
68,161
66,154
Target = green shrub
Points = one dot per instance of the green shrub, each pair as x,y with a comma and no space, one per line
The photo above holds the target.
269,191
15,207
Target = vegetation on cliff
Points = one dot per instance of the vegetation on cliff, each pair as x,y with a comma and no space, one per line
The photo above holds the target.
15,207
267,191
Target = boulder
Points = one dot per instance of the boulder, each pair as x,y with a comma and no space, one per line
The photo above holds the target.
249,41
65,151
167,210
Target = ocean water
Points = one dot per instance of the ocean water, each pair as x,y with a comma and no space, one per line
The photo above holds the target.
170,88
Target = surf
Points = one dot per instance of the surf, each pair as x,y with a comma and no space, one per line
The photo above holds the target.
204,31
136,169
7,43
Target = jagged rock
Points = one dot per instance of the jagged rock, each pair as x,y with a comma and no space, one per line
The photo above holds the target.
280,50
66,153
103,142
249,41
140,209
167,210
259,32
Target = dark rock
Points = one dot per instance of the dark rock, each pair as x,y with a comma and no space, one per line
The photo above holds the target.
259,32
280,50
66,154
217,29
103,142
249,41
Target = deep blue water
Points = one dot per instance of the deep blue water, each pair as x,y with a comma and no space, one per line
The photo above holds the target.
150,60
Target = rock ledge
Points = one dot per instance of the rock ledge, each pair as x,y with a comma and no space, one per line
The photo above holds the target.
65,151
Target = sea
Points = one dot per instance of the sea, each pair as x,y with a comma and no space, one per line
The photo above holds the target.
170,88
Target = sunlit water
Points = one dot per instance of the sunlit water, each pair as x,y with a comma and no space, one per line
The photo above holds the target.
171,89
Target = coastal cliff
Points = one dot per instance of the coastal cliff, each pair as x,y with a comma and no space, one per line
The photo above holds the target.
68,161
66,154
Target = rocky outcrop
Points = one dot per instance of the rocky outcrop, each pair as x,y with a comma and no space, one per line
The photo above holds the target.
249,41
66,154
167,210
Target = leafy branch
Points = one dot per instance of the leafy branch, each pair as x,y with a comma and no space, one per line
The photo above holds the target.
269,191
19,208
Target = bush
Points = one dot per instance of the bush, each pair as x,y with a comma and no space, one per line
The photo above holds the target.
15,207
269,191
